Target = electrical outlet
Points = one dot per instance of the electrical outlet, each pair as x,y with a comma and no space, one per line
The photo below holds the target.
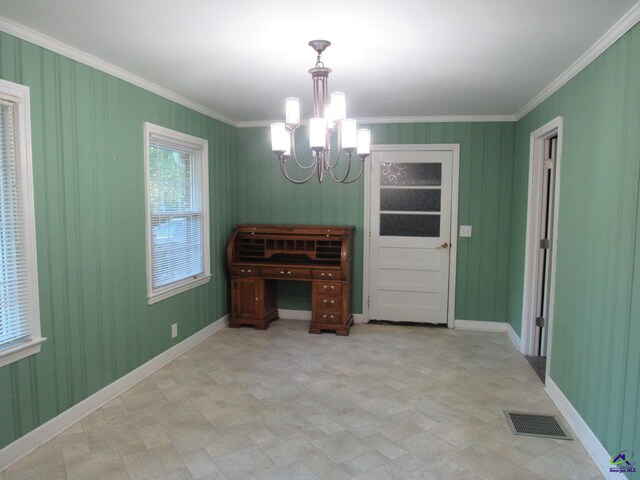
174,330
465,230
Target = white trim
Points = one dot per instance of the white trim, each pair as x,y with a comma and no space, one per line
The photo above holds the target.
453,235
176,289
21,350
513,336
21,97
612,35
366,240
42,40
200,147
537,138
305,315
423,119
47,431
480,326
285,314
583,433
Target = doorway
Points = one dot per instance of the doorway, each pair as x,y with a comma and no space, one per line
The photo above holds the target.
542,225
411,217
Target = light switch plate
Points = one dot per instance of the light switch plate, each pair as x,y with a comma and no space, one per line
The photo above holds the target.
465,230
174,330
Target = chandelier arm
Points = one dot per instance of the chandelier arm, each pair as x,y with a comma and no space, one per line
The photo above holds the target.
294,153
346,174
343,180
335,164
292,180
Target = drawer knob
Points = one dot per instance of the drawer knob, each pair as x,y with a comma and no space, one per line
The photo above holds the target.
330,275
322,274
249,271
281,272
242,271
288,272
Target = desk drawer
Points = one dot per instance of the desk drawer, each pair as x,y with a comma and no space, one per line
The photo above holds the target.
333,302
328,316
245,271
286,272
323,288
326,275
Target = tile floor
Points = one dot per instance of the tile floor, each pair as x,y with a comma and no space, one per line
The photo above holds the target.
386,402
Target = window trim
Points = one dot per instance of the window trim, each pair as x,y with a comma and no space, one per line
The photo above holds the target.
19,94
186,141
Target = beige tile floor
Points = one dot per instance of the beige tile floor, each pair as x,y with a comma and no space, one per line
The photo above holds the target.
386,402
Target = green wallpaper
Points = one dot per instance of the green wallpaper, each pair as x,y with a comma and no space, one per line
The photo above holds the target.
595,351
87,130
486,158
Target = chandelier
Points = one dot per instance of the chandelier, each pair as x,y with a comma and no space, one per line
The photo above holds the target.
329,118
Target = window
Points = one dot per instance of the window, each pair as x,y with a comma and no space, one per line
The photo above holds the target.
177,212
19,310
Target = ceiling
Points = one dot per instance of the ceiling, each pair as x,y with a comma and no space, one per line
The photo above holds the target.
394,59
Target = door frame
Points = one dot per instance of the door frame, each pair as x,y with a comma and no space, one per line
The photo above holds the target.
454,148
532,252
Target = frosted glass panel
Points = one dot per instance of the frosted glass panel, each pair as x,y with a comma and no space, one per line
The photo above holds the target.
402,200
411,174
399,225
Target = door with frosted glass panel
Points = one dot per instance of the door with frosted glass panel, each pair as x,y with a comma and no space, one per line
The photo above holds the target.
410,235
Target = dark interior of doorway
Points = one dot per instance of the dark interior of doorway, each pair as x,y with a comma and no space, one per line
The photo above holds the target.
539,365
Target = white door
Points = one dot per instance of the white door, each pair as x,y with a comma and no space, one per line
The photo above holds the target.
410,234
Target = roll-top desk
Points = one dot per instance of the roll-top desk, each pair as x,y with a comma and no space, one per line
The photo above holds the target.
259,255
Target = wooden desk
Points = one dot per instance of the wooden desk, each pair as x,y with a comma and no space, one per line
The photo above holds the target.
259,255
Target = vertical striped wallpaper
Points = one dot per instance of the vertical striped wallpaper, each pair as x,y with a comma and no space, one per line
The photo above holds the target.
87,135
486,160
595,357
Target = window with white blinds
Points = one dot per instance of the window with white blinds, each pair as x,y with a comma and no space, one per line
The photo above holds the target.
177,212
19,311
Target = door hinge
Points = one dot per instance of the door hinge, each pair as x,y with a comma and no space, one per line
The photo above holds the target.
368,301
540,322
549,163
545,243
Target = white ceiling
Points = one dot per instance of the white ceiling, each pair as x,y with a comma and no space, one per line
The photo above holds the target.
400,58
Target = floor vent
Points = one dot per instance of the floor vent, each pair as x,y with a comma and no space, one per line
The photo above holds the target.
536,425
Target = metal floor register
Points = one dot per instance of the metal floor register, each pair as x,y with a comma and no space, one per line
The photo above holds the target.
536,425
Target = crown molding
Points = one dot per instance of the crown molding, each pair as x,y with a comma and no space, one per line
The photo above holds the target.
33,36
440,119
426,119
622,26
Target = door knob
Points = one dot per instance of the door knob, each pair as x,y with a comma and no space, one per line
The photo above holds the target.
443,245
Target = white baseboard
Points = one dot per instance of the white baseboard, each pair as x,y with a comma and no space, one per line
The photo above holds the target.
498,327
47,431
294,314
513,336
306,315
592,445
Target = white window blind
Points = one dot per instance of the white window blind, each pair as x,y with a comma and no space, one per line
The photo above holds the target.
19,320
14,286
177,212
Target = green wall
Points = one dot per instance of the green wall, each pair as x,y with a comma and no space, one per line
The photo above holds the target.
595,358
87,130
486,159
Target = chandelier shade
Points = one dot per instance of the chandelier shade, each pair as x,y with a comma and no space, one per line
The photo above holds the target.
328,126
